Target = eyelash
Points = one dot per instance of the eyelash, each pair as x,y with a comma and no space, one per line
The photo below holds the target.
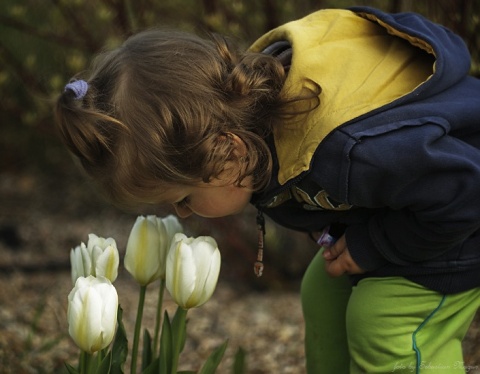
183,203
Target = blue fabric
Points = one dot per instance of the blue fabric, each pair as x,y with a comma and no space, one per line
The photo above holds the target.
410,169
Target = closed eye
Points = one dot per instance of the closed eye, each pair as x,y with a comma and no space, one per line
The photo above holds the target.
183,203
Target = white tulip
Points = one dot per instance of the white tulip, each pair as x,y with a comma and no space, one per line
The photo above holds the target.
147,247
193,266
99,258
92,313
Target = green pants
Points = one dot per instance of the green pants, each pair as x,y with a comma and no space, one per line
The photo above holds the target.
382,325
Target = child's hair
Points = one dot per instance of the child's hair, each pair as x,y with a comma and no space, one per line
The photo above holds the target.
161,109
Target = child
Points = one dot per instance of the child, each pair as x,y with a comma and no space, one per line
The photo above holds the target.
356,120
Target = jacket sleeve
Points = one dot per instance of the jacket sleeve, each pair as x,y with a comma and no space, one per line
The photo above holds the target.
426,186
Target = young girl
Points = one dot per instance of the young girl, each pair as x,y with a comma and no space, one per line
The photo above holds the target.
355,120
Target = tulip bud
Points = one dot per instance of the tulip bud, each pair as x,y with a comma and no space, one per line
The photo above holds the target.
147,247
92,313
193,266
99,258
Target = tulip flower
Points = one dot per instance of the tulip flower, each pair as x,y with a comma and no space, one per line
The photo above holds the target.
99,258
147,247
193,266
145,258
92,313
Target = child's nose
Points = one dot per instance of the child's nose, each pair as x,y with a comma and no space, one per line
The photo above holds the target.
183,211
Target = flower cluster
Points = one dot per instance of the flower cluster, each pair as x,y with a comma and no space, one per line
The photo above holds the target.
156,250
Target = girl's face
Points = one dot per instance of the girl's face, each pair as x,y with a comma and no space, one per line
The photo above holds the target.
211,200
218,198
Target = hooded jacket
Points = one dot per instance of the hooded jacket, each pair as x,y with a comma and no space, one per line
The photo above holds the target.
391,155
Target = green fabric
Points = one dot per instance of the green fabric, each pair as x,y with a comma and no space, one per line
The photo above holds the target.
382,325
395,325
324,301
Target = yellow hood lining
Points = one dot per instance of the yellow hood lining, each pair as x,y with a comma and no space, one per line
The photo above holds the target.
392,31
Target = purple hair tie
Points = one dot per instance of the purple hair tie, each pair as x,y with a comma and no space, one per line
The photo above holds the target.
79,88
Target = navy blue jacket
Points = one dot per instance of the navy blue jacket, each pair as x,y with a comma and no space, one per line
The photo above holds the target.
401,177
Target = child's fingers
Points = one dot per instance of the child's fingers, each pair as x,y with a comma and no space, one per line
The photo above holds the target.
334,251
330,254
335,268
343,264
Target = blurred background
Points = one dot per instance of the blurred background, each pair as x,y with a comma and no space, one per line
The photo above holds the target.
46,204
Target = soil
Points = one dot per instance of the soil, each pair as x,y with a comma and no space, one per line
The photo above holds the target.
42,218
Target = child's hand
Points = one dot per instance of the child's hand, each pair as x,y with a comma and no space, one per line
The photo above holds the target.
338,260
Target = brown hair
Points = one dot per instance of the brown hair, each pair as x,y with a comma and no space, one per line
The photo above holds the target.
161,109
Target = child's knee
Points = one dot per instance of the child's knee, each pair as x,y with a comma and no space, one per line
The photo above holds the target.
394,325
375,344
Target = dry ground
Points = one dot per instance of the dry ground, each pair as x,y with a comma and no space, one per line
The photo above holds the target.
40,220
33,326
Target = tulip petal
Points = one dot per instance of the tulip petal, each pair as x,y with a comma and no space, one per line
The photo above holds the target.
93,240
74,265
172,227
86,260
109,312
81,263
109,242
106,263
181,276
212,278
164,241
201,252
207,258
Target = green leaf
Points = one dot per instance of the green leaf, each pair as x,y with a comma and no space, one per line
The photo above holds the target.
147,350
105,364
71,369
120,346
239,365
166,346
153,368
213,361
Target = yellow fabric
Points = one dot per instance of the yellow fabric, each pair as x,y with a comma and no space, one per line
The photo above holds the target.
359,65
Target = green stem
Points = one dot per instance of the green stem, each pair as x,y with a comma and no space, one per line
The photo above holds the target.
85,359
101,355
178,340
159,317
99,358
138,325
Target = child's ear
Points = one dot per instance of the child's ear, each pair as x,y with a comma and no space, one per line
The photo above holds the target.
239,147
